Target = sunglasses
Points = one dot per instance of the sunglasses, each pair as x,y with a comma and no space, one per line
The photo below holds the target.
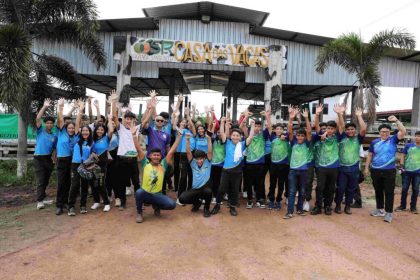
159,120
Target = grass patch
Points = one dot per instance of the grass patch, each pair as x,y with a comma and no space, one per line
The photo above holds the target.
9,178
10,217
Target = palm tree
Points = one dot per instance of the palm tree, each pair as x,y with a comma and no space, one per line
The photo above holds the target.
362,59
26,78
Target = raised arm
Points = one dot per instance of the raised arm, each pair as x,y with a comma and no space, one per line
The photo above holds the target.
191,125
305,115
268,120
110,126
98,112
243,126
222,129
47,103
251,133
319,109
292,115
170,154
188,148
90,109
72,109
340,110
140,152
362,124
147,116
114,111
81,105
209,148
193,111
401,128
60,119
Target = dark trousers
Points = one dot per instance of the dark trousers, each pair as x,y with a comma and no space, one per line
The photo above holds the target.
77,184
297,183
63,180
216,174
325,188
310,182
254,177
185,180
278,179
99,186
128,171
158,201
176,171
193,196
43,169
167,178
347,184
384,184
414,180
229,183
358,196
111,178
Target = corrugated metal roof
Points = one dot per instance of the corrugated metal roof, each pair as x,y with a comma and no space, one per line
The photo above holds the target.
127,24
214,10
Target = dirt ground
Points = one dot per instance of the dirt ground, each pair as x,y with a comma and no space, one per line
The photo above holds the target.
257,244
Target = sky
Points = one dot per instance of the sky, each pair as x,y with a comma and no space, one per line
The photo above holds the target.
329,18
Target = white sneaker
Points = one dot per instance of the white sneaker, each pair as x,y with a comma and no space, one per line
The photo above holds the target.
117,202
287,200
107,208
48,201
127,191
95,206
306,206
213,201
244,194
179,203
225,197
40,205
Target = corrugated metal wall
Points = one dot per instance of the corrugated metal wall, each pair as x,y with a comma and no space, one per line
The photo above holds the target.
300,67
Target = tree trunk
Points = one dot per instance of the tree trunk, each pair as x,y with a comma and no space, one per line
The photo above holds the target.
22,152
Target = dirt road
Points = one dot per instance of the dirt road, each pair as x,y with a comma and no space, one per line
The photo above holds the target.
257,244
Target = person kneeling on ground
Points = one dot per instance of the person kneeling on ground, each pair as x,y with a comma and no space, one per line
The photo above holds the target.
152,182
201,168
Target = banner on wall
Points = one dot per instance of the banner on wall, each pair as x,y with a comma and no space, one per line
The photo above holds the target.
161,50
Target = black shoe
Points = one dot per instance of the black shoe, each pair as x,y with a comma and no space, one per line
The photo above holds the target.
337,209
122,207
328,210
316,210
215,209
195,208
356,205
71,212
233,211
414,210
59,211
206,212
157,211
347,210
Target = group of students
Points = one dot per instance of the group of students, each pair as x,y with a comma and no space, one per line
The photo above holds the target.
215,159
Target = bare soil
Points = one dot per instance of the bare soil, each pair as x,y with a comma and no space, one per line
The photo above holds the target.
257,244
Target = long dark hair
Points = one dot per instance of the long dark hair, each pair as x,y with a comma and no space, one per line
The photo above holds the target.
198,134
67,124
95,136
81,140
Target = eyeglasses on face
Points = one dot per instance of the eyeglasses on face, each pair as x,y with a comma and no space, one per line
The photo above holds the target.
159,120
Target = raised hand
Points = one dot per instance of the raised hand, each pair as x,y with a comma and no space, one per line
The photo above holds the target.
223,119
180,97
96,103
133,128
358,112
392,118
252,122
109,100
114,95
290,109
268,111
81,105
187,111
152,93
319,109
305,113
47,103
292,112
89,100
60,102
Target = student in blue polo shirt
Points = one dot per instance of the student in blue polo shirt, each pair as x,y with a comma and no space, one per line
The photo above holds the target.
101,137
381,161
81,153
232,167
201,169
67,137
46,141
410,165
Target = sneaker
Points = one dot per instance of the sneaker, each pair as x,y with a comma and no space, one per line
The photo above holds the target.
40,205
195,208
337,209
71,212
249,205
328,210
127,191
356,205
83,210
107,208
157,212
139,218
245,195
288,216
122,207
414,210
225,197
277,206
48,201
300,213
400,209
95,206
117,202
388,217
179,203
378,213
215,209
213,201
110,198
233,211
59,211
262,204
306,206
316,210
347,210
270,205
206,212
